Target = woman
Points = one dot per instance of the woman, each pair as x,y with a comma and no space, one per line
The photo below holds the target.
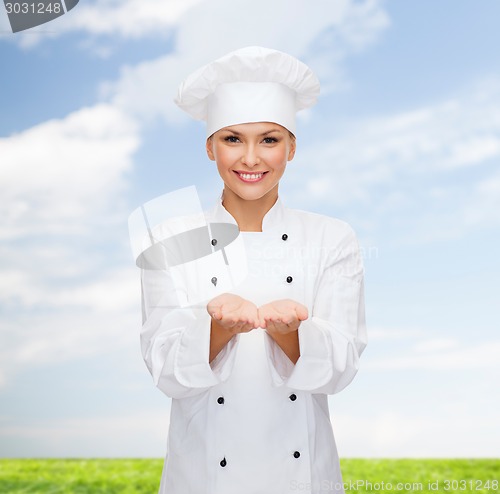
249,373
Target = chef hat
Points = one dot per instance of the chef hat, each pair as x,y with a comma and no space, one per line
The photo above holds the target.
252,84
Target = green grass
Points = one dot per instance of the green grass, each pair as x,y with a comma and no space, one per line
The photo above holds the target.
80,476
142,476
421,475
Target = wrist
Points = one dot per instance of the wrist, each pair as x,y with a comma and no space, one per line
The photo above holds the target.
219,337
288,342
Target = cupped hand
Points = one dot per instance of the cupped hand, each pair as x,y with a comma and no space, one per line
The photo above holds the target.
233,313
282,316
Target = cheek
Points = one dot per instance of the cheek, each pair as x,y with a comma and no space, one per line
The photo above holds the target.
277,157
225,157
222,164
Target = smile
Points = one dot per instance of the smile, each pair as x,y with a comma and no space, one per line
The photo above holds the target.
250,177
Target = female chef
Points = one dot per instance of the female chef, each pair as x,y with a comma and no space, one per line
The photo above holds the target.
249,370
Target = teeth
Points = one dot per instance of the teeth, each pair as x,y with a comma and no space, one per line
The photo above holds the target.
251,176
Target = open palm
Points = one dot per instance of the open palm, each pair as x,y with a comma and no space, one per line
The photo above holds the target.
282,316
239,315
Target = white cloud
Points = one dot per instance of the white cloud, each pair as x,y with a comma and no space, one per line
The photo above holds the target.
142,434
61,184
59,172
377,333
128,18
389,434
475,150
432,164
444,355
379,151
59,335
112,18
55,323
117,290
484,204
435,344
211,29
336,26
420,349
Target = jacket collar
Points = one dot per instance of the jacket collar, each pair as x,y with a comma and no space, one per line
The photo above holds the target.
273,218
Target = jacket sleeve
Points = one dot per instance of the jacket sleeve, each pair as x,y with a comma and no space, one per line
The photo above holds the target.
333,338
175,341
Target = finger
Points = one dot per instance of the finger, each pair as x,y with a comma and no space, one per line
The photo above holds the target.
277,319
275,327
245,325
234,323
255,322
270,326
238,327
302,313
216,314
248,327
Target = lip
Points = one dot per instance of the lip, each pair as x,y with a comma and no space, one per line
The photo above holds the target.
238,174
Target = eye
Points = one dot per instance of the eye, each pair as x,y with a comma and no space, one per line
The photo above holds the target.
270,140
231,139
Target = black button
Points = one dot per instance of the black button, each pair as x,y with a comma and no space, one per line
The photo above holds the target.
284,236
223,462
220,400
214,241
289,279
296,454
293,397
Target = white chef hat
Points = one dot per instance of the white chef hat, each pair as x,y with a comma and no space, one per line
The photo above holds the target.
252,84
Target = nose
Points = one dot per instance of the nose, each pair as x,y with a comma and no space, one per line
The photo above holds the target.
250,156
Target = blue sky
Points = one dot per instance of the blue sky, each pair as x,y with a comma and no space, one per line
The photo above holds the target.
404,144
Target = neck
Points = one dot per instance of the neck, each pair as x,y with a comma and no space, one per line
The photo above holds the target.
249,214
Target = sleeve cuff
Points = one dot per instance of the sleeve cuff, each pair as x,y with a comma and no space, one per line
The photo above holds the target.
222,365
191,366
280,366
313,368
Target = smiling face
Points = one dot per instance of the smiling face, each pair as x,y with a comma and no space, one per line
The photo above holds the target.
251,158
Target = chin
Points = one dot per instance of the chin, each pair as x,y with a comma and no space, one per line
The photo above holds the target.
250,192
250,196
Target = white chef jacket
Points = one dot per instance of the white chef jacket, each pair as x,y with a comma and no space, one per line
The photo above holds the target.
252,422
